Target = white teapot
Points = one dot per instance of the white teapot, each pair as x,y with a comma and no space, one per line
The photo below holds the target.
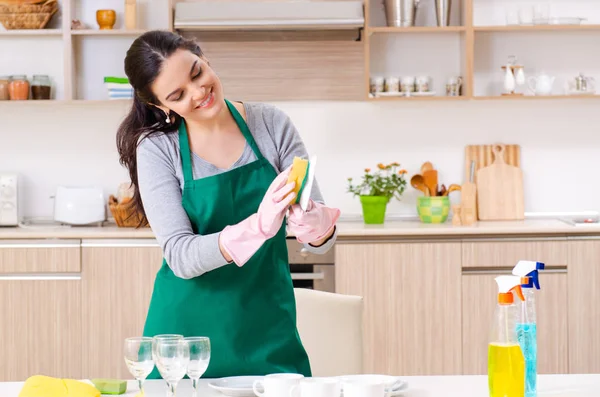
541,84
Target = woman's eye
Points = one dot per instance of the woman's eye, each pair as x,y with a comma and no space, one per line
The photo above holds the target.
197,74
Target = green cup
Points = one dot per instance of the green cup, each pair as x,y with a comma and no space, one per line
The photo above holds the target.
433,209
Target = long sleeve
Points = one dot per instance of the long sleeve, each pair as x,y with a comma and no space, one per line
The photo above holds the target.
188,254
289,144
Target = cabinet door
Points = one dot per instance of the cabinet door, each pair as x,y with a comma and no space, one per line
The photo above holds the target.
479,299
584,311
118,279
412,313
505,253
40,326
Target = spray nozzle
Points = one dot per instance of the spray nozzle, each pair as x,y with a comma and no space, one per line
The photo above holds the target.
506,286
528,271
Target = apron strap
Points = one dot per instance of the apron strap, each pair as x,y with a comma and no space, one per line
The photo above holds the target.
239,120
186,154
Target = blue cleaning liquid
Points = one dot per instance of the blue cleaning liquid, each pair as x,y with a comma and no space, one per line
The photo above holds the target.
527,336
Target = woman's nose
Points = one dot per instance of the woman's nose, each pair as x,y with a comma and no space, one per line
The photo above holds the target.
199,93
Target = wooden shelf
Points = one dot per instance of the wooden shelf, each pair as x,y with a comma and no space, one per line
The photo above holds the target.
416,29
533,97
67,102
419,98
112,32
32,32
536,28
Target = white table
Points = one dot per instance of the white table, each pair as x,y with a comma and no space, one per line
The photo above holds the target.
418,386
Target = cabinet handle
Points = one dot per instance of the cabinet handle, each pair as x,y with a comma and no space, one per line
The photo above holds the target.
561,269
308,276
119,243
40,277
39,243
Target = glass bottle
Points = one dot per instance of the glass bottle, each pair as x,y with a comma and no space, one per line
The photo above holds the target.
18,88
4,80
40,87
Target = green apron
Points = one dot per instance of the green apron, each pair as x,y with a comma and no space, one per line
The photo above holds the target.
248,312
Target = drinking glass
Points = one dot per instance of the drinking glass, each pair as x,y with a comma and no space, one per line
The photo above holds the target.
138,357
162,337
172,359
199,359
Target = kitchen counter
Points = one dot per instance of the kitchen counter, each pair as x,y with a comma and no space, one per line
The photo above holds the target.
418,386
346,230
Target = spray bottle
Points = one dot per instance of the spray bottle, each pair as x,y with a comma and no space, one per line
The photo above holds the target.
506,364
526,325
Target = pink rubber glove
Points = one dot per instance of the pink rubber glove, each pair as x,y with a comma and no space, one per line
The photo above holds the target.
314,224
242,240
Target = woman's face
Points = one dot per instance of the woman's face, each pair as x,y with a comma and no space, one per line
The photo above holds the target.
189,87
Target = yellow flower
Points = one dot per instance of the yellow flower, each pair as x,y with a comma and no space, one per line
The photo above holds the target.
381,166
395,164
367,170
402,172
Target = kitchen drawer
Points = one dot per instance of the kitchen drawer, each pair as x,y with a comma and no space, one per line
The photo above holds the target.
40,256
500,253
297,254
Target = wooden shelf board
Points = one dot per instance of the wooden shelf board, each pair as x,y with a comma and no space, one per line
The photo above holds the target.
535,28
533,97
112,32
67,102
416,29
419,98
32,32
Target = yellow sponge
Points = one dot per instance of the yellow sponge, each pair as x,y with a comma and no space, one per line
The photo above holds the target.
298,174
46,386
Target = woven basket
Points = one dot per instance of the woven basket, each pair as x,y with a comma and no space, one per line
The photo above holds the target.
124,213
27,16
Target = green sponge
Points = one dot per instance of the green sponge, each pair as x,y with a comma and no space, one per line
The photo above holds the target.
110,386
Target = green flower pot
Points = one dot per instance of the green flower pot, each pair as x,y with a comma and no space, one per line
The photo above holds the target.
374,208
433,209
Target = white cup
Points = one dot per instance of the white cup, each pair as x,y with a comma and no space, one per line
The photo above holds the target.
276,385
317,387
363,388
407,84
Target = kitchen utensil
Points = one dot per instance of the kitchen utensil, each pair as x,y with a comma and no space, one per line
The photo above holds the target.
106,19
235,386
584,83
138,358
456,215
483,156
468,199
452,188
79,205
431,180
422,83
393,385
500,190
443,191
171,357
401,13
541,84
442,12
418,182
361,388
276,385
433,209
426,167
392,84
509,80
407,84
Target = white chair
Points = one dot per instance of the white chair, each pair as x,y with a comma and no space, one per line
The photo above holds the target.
330,327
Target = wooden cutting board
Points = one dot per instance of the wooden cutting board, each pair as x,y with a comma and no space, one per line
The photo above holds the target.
500,189
483,156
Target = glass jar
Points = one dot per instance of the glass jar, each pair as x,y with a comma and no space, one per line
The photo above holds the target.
40,87
4,96
18,88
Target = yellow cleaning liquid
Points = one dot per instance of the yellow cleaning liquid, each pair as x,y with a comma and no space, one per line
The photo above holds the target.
506,370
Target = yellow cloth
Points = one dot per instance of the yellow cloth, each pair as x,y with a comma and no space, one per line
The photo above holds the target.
46,386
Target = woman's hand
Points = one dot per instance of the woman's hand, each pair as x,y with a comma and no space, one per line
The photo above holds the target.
314,225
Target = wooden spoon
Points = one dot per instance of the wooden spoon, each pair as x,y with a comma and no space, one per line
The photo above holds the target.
452,188
431,180
418,183
427,166
442,191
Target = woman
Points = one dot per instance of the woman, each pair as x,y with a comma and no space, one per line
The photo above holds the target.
205,174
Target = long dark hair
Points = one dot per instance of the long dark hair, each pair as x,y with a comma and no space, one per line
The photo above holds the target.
143,63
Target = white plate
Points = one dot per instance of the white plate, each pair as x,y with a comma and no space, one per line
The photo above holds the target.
424,93
394,386
235,386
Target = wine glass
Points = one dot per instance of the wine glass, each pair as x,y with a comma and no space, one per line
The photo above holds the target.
199,359
172,357
160,337
138,357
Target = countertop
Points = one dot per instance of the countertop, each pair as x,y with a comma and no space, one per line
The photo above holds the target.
418,386
346,229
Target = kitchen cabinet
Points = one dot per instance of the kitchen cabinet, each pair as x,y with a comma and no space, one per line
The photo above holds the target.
584,312
506,252
40,322
412,298
118,279
479,299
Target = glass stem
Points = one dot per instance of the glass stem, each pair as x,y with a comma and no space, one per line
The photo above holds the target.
195,387
141,386
173,387
170,390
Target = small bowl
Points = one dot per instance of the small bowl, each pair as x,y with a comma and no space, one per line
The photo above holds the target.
106,19
433,209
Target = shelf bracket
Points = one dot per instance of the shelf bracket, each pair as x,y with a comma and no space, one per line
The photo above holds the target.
359,38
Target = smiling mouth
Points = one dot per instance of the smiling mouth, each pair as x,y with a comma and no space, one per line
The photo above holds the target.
208,101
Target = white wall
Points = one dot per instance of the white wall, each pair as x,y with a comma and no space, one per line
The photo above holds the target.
75,145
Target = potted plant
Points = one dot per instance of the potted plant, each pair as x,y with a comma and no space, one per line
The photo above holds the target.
376,190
